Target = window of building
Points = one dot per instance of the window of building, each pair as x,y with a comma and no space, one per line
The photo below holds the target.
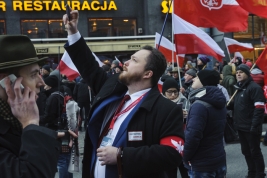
2,27
111,27
43,28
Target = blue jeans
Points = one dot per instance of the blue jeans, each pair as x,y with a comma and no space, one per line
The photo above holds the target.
219,173
63,165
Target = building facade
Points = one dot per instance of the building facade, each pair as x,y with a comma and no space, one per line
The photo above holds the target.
111,27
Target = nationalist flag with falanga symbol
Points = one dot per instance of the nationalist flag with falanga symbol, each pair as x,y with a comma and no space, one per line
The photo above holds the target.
225,15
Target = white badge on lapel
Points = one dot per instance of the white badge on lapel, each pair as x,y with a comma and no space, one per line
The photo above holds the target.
135,136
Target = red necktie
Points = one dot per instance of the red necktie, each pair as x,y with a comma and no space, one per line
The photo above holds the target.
106,129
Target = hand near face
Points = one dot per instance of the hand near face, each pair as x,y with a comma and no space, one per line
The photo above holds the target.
107,155
23,105
71,26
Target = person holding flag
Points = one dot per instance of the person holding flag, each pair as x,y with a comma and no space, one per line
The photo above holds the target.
133,130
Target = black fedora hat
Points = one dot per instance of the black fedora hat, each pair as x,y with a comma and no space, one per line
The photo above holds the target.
16,51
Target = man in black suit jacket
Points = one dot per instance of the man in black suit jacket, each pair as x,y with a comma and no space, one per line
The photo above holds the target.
145,137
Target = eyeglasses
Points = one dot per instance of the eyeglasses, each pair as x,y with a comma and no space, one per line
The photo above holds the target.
170,92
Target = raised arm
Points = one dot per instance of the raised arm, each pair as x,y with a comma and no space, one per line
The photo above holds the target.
82,56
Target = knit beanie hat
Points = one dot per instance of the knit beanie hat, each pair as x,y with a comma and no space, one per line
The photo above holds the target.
209,77
47,68
204,60
51,81
115,62
191,72
244,68
169,83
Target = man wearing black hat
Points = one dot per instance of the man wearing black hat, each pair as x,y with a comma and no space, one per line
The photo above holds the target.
26,150
204,152
187,84
248,118
45,71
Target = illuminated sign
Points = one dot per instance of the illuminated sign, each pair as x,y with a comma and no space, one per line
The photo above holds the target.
165,6
44,5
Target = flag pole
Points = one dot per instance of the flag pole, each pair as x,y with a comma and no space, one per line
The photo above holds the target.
177,58
164,24
178,66
172,41
227,51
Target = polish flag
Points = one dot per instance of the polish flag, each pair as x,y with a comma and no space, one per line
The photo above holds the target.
189,39
225,15
120,64
67,67
160,83
235,46
166,47
257,7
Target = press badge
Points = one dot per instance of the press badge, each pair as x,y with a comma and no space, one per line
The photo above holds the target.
106,141
135,136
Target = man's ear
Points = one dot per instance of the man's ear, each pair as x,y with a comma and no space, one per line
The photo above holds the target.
148,74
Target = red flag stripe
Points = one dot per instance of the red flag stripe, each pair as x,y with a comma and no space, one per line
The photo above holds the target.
64,69
254,6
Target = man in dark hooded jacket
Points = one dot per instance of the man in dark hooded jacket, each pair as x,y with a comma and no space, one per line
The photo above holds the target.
204,154
248,118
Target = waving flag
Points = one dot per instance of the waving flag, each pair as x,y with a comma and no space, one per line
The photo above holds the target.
225,15
257,7
167,48
120,64
67,67
235,46
262,62
192,40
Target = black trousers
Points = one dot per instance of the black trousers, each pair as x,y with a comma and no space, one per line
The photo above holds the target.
250,147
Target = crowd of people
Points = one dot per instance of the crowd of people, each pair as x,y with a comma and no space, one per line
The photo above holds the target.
132,129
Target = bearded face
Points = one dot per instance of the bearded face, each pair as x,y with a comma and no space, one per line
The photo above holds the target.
134,69
128,78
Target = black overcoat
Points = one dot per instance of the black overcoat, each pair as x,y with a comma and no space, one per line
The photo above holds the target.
30,154
157,118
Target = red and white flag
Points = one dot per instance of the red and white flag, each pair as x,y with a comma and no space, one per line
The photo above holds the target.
235,46
189,39
120,64
257,7
167,48
225,15
160,83
67,67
